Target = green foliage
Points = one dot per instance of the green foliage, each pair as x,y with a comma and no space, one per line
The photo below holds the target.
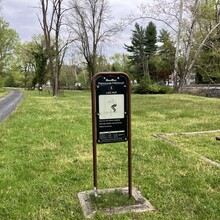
147,87
136,49
8,41
102,64
144,86
208,65
40,61
1,82
10,81
119,63
150,38
83,78
32,61
143,46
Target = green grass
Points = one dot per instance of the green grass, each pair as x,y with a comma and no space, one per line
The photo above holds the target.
203,144
109,200
46,158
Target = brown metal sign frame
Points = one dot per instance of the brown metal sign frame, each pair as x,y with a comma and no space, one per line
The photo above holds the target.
95,115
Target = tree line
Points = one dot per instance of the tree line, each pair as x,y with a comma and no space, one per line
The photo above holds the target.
180,39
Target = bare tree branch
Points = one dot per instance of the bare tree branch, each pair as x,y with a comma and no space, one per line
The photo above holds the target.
88,22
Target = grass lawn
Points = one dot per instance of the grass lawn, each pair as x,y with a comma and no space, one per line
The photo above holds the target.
46,157
203,144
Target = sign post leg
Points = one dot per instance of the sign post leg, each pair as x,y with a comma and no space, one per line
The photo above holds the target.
94,142
95,170
129,144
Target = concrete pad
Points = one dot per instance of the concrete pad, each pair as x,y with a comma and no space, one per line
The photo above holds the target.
142,205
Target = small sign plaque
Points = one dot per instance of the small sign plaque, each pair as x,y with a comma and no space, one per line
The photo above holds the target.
111,108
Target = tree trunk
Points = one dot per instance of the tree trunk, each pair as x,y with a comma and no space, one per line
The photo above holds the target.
178,39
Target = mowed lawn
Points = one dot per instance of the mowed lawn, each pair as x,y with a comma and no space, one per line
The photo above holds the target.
46,157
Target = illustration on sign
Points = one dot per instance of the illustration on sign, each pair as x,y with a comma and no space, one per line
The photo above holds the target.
111,106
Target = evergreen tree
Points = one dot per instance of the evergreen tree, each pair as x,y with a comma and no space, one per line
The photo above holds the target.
137,50
166,52
143,45
150,39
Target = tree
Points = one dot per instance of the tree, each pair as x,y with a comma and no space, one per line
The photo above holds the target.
88,23
165,56
182,18
137,49
32,61
120,63
207,66
8,41
143,46
51,24
150,46
24,61
40,60
150,38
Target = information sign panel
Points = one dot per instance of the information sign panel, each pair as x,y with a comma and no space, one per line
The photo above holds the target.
111,115
111,108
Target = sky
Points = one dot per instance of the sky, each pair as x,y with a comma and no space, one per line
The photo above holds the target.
22,17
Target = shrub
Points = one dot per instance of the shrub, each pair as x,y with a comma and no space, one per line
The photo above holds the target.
147,87
154,89
143,87
166,89
9,81
1,82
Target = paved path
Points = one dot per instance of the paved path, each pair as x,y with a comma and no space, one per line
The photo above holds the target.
9,103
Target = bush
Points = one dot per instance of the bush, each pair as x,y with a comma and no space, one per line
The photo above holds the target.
147,87
1,83
154,89
9,82
143,87
166,90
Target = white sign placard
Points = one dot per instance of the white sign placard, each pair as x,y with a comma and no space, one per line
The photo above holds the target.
111,106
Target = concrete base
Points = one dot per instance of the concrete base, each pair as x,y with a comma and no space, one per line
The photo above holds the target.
142,205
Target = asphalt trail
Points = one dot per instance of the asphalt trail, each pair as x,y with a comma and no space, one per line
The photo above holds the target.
9,103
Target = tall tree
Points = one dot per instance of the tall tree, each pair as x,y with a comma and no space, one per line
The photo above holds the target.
40,60
52,15
165,56
89,25
8,41
150,44
137,50
143,46
25,63
32,61
150,38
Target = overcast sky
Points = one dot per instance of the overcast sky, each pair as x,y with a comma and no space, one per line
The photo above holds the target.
22,16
